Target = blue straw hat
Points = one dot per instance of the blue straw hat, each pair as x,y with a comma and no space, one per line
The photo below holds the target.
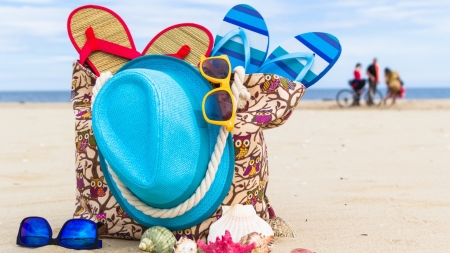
150,130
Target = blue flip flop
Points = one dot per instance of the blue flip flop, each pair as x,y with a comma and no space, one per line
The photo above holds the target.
305,58
243,36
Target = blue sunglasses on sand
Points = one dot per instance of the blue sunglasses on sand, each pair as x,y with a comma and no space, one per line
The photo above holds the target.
74,234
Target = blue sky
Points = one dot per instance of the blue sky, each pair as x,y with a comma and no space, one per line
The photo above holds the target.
409,36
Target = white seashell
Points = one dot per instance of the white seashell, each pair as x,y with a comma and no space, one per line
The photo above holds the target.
240,220
185,245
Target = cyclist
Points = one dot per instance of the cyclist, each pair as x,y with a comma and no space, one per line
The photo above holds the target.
357,83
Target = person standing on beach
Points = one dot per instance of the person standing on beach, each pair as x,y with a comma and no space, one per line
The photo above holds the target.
373,74
394,85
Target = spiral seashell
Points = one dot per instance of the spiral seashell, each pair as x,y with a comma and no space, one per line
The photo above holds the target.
147,244
157,240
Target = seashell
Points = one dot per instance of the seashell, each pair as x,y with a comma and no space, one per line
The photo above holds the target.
239,220
225,245
281,228
299,250
147,244
185,245
157,240
262,243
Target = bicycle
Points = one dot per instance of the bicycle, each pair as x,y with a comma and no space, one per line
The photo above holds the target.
349,97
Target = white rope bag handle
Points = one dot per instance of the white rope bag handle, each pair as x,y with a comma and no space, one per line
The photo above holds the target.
241,95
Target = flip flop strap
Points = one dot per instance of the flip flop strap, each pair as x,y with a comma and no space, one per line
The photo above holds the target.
182,52
235,32
309,57
94,44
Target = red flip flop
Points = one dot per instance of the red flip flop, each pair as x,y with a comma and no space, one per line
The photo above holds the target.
101,38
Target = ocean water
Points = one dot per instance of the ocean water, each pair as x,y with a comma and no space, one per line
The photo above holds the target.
411,93
35,96
311,94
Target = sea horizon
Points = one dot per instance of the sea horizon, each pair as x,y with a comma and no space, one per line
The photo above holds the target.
325,94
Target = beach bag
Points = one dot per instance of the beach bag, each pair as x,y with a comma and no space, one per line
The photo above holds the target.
94,199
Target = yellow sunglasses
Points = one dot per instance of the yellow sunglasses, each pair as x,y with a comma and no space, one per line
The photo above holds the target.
218,106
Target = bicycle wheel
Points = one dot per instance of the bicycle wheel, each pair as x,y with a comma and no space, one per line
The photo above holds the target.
377,98
345,98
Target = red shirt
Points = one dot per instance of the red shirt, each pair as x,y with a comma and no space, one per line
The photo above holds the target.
357,74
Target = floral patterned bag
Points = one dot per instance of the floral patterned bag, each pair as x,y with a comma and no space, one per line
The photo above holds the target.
266,109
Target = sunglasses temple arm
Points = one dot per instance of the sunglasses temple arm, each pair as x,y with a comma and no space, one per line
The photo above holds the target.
99,224
99,242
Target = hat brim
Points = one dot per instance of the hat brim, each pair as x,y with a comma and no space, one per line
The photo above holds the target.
219,188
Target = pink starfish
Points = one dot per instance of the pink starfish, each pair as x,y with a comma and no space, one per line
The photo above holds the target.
226,245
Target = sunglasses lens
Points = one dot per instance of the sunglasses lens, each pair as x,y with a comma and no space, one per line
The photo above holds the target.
216,68
35,232
218,106
78,234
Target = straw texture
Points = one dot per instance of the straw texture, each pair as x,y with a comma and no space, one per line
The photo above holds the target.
107,27
172,40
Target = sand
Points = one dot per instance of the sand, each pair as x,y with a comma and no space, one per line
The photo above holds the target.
353,180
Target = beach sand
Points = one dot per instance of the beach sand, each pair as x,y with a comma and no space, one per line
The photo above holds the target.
353,180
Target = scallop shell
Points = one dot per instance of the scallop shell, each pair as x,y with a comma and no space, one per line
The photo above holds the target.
157,240
281,228
240,220
262,243
185,245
